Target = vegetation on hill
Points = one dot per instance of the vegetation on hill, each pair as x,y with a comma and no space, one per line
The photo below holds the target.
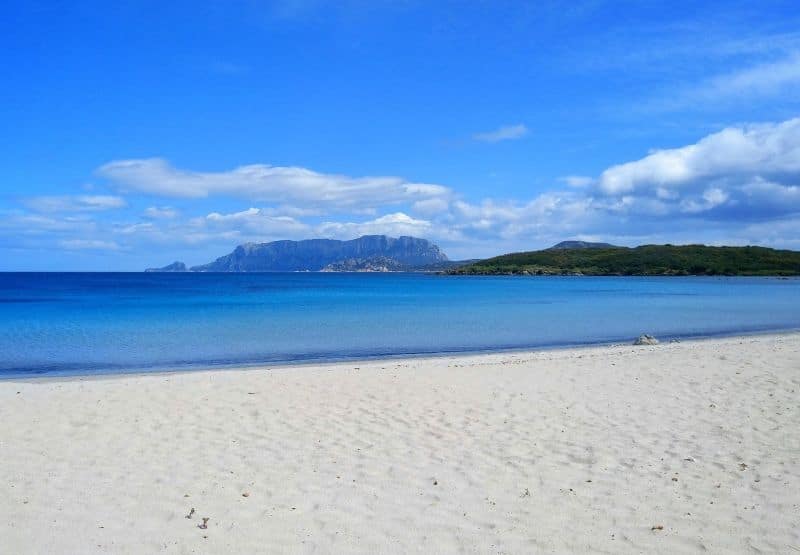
646,260
582,245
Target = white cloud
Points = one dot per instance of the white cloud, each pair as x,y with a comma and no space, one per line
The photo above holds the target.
215,228
37,224
577,181
257,225
257,221
733,180
741,174
761,149
762,191
131,229
504,133
549,213
431,207
711,198
160,213
88,244
761,80
765,80
395,224
289,210
267,184
244,215
781,233
76,203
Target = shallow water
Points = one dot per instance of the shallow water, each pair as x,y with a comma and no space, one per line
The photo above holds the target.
62,324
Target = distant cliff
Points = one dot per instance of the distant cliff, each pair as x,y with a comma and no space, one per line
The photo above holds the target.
368,253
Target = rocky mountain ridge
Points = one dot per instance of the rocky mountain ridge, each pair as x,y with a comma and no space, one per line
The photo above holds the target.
367,253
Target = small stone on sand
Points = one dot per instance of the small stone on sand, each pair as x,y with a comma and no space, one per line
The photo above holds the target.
646,339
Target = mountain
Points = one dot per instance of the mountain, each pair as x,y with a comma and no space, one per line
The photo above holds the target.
643,260
174,267
313,255
581,245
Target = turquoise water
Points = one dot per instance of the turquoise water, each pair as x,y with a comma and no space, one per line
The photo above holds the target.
61,324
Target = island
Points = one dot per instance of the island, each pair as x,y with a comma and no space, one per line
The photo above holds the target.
174,267
370,253
573,258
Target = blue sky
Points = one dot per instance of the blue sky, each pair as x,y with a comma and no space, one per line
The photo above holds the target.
138,133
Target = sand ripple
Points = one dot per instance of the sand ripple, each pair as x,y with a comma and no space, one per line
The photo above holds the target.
679,448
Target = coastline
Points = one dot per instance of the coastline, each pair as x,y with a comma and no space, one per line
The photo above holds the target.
57,326
672,448
312,361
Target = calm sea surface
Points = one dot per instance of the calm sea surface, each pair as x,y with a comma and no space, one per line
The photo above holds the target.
60,324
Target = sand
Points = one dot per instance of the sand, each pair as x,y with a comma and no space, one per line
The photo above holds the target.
675,448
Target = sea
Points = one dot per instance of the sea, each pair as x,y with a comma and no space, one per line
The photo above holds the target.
66,324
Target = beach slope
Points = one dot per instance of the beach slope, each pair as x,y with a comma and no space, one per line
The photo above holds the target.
675,448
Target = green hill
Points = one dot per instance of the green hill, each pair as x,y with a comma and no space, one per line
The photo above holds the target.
646,260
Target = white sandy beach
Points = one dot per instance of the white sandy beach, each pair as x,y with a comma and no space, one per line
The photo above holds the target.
677,448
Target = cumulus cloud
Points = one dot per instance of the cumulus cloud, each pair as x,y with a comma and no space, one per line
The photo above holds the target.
264,183
734,152
727,187
711,198
215,228
551,213
765,191
258,222
739,176
76,203
395,224
258,225
504,133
